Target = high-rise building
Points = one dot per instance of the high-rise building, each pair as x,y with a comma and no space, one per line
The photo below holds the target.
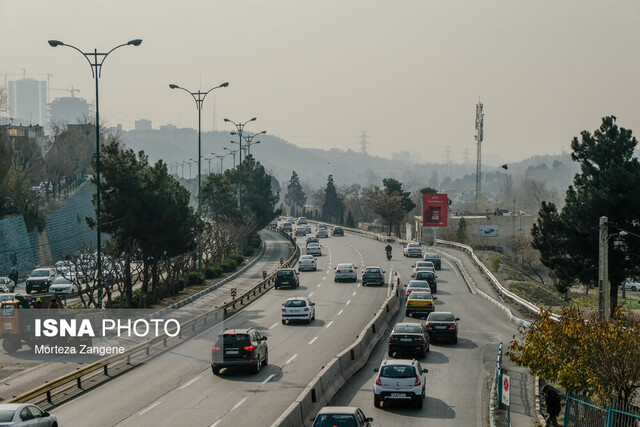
69,110
143,124
28,101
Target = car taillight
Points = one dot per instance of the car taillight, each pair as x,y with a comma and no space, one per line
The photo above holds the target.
452,326
391,338
420,338
378,382
336,271
249,347
353,271
428,326
284,309
306,309
215,348
408,292
417,382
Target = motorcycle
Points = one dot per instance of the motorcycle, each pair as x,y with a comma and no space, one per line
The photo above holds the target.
389,255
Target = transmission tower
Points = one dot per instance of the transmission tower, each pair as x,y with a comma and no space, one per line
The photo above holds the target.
363,143
447,155
478,137
466,156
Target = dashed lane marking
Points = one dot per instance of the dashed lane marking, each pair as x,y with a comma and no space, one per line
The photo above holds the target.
290,360
329,324
189,383
313,340
150,407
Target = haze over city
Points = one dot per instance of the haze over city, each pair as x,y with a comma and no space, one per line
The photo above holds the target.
319,73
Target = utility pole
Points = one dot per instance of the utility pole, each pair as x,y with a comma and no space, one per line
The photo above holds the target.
603,270
363,143
479,137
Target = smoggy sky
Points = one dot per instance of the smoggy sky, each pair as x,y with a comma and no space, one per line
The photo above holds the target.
318,73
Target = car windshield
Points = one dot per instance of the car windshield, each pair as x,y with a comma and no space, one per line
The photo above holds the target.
295,303
413,245
425,275
441,317
407,329
306,258
40,273
420,295
334,420
235,339
285,273
3,281
61,281
6,415
372,270
397,371
420,284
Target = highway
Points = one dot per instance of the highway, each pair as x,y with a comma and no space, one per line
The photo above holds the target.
178,387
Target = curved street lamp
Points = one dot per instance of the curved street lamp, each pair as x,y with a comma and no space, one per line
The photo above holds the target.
249,138
96,59
240,127
233,153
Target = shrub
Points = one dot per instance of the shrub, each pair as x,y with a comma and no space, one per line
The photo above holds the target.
236,256
212,271
248,251
195,278
494,263
227,265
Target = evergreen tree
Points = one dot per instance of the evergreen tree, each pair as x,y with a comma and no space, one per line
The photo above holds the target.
350,222
332,206
295,196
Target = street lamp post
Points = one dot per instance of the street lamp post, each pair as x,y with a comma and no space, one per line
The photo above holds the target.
221,157
96,59
604,287
249,139
233,153
191,162
240,127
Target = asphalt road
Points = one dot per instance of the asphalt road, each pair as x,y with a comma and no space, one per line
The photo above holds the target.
178,387
460,375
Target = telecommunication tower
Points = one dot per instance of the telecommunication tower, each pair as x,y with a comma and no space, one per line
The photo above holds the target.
478,137
363,143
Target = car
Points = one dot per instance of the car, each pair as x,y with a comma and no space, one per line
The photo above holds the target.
434,258
430,277
8,283
7,297
420,302
337,231
631,285
70,270
64,285
322,226
273,223
412,249
401,380
307,262
425,265
298,308
314,249
302,220
312,239
287,277
307,228
373,275
291,220
409,338
239,347
322,232
349,416
442,325
301,231
40,279
417,285
286,226
345,271
25,414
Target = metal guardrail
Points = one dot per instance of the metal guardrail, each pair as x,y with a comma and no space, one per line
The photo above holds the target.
117,359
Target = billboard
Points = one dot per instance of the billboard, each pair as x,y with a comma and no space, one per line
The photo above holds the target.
489,230
434,210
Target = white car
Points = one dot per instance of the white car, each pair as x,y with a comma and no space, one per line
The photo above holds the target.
412,249
298,308
345,272
341,415
25,414
307,227
423,266
10,284
632,285
314,249
400,380
307,262
301,231
64,285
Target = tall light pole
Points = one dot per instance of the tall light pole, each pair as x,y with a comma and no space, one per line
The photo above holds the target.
96,59
233,153
191,161
249,139
221,157
240,127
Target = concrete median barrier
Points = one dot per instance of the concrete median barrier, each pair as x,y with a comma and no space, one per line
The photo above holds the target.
332,379
292,417
351,360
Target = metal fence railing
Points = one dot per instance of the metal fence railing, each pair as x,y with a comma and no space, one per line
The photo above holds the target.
579,413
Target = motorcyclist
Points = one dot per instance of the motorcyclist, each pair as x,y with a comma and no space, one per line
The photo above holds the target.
387,249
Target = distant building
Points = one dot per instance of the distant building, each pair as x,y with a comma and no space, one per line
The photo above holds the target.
143,124
168,127
18,135
70,110
28,101
406,157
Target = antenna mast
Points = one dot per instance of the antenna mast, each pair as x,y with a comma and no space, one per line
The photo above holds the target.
479,137
363,143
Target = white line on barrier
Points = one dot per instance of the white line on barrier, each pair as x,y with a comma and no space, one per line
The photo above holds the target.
148,408
340,312
290,360
238,404
354,293
313,340
267,379
189,383
347,303
273,326
216,423
319,284
329,324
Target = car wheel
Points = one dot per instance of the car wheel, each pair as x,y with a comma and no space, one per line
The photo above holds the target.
284,322
265,362
634,289
454,340
335,280
390,353
277,287
309,320
215,370
409,314
256,368
420,402
364,283
377,402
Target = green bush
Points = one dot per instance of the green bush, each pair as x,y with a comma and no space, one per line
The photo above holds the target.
180,284
227,265
248,251
195,278
208,273
236,256
254,240
212,271
494,263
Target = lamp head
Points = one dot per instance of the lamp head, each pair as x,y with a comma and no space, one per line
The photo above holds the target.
227,120
253,119
264,131
172,86
234,133
135,42
225,84
54,43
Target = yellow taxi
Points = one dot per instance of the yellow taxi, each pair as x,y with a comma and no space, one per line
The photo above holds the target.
420,302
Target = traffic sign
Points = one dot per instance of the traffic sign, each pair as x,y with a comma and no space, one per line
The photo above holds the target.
506,386
233,292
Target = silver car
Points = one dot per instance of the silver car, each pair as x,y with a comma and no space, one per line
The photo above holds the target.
400,380
10,284
307,262
346,272
25,414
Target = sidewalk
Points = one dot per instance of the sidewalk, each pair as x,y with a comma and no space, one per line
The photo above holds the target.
522,383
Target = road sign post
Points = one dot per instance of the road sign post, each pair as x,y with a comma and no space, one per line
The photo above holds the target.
233,293
506,387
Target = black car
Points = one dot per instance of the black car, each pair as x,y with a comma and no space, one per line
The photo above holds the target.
373,275
434,258
40,279
312,239
239,347
337,231
409,338
443,325
430,278
287,277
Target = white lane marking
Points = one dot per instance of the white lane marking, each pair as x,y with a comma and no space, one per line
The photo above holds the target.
150,407
354,293
310,294
290,360
329,324
238,404
319,284
216,423
389,281
325,276
189,383
268,379
340,312
358,285
347,303
313,340
452,267
273,326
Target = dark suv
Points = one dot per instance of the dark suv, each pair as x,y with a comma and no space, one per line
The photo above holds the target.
430,278
337,231
40,279
409,338
239,347
373,275
434,258
287,277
